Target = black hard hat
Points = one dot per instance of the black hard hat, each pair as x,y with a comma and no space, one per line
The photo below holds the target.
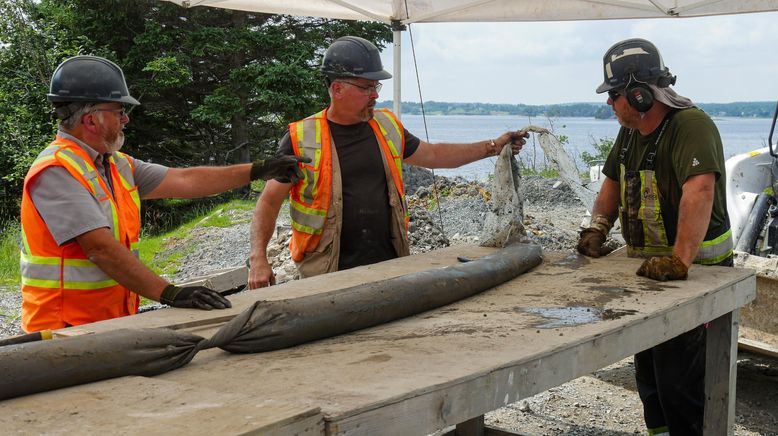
634,60
89,79
352,56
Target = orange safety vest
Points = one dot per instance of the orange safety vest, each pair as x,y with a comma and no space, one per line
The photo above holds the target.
60,286
310,197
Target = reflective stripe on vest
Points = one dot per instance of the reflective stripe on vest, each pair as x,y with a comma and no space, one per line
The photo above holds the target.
310,198
655,242
126,169
394,136
308,214
59,284
44,271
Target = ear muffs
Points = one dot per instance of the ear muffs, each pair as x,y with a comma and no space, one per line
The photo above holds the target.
639,96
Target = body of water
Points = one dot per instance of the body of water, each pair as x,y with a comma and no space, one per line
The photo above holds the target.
739,135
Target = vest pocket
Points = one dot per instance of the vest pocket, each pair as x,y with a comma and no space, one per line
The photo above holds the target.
316,262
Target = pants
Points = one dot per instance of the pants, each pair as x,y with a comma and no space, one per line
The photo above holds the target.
671,382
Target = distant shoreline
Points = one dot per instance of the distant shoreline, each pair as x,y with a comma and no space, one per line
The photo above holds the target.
761,109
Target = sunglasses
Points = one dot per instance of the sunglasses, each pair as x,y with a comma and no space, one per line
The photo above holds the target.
615,94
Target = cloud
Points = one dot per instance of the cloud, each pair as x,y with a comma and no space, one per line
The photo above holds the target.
717,59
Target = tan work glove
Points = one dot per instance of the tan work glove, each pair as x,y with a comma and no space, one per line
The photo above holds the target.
591,239
664,268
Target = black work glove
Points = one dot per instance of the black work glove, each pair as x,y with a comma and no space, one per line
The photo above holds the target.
590,243
195,297
664,268
284,168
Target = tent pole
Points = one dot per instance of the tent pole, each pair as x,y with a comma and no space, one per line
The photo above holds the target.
396,70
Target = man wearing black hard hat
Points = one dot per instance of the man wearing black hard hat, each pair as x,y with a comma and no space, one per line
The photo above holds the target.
666,184
349,208
80,210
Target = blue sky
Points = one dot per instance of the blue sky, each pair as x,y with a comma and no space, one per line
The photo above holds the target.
717,59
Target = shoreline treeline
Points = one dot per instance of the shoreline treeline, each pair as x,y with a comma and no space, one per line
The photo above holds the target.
757,109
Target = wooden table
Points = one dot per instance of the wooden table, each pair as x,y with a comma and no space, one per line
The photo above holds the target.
567,318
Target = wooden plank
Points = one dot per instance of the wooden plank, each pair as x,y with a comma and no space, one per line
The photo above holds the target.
758,322
720,375
222,280
494,431
757,347
471,427
446,366
141,405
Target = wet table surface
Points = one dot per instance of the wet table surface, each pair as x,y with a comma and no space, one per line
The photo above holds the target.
568,317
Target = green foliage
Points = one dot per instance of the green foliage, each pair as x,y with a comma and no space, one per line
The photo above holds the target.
26,53
155,249
602,148
216,86
225,215
162,216
546,171
9,252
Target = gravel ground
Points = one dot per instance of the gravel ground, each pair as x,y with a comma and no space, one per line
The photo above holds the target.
603,403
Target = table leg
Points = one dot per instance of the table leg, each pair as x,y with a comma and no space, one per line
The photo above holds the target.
476,427
721,375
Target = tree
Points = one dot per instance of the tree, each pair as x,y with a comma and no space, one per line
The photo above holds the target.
602,149
215,85
29,47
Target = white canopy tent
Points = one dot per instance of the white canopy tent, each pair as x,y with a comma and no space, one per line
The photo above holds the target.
402,12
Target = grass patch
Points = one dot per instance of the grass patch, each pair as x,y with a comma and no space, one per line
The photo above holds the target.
9,252
224,216
157,251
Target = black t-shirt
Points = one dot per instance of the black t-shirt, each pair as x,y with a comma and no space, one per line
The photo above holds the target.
365,237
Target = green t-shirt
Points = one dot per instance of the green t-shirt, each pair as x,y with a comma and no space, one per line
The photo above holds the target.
689,146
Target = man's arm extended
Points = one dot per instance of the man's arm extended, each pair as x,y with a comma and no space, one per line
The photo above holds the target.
443,155
120,264
262,227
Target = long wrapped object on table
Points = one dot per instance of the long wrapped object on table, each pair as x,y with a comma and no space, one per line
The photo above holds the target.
271,325
266,325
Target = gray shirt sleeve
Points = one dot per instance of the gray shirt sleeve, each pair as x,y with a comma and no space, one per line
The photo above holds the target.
68,208
148,176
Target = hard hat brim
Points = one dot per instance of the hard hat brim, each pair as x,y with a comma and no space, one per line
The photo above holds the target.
127,99
376,75
605,87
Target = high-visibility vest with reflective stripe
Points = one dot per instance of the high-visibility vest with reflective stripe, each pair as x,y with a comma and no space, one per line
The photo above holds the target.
310,197
649,223
60,286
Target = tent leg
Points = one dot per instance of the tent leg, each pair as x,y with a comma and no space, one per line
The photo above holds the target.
396,70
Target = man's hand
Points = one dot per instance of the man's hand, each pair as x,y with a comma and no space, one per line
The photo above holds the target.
195,297
261,275
664,268
590,243
285,168
516,139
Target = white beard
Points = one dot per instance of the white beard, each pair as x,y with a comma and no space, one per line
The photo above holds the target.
115,144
